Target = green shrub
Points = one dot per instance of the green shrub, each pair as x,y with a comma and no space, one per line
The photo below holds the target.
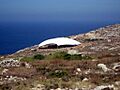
76,57
87,57
57,55
27,59
58,73
38,56
67,57
35,57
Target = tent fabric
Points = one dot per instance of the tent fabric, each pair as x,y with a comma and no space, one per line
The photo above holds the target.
59,41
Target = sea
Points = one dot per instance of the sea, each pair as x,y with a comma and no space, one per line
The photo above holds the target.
15,36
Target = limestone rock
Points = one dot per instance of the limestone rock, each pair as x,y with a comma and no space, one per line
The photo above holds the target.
103,67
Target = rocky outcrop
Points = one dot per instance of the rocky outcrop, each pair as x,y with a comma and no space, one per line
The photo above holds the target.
103,67
9,63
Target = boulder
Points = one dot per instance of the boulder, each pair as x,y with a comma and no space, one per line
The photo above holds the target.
116,68
103,87
103,67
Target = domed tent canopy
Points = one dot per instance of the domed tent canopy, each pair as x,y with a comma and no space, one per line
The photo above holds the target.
58,42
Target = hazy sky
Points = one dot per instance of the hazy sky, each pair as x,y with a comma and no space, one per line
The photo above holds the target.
59,10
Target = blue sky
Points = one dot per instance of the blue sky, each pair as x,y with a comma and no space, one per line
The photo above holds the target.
59,10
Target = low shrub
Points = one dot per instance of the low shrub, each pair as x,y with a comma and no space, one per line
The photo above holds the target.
57,55
67,57
76,57
39,56
87,57
58,73
27,59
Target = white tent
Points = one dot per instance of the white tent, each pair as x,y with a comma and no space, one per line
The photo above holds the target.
59,41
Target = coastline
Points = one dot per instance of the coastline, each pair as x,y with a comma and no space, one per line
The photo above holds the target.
78,37
68,68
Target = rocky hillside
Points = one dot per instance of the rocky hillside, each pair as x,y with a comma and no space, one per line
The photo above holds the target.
93,65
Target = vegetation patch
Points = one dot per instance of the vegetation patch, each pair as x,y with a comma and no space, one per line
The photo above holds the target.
58,55
65,56
39,56
58,73
32,58
27,59
61,55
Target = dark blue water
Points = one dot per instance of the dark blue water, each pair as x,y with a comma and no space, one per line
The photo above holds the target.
16,36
